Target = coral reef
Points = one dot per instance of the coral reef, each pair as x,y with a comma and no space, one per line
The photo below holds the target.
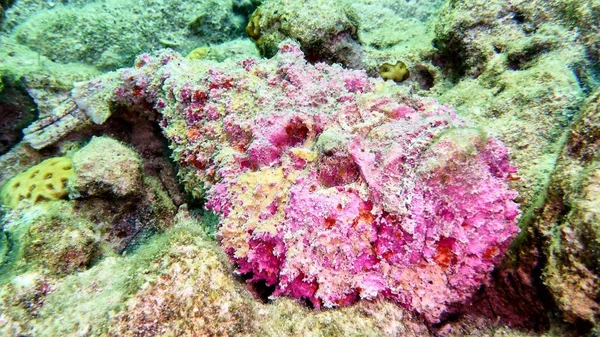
44,181
323,186
570,222
335,195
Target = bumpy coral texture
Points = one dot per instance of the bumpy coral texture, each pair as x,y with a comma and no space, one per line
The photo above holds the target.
44,181
332,186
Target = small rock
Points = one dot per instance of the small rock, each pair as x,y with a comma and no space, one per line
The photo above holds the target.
105,166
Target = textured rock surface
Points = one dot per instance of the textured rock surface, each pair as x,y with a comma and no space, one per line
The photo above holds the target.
48,239
105,166
177,283
326,30
570,222
520,68
17,110
101,33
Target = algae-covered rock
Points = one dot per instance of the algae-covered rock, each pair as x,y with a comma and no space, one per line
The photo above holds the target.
570,222
49,238
178,283
17,160
470,34
392,31
237,49
194,294
19,11
515,72
60,243
33,86
109,35
106,167
326,30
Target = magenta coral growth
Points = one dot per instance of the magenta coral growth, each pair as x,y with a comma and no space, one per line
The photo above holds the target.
332,186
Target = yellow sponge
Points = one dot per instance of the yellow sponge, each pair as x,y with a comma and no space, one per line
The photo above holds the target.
199,53
397,72
44,181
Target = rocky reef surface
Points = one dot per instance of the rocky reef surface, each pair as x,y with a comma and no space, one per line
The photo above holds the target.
301,176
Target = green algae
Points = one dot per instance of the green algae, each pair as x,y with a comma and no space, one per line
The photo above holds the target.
108,34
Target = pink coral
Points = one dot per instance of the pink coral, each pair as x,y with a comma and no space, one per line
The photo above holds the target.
332,186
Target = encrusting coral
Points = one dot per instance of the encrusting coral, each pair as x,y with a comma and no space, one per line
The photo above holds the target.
44,181
329,185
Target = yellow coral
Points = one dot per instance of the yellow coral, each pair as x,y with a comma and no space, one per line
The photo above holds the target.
253,27
199,53
44,181
397,72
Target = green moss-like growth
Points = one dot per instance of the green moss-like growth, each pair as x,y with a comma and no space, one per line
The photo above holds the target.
570,222
60,244
101,33
50,239
199,53
326,30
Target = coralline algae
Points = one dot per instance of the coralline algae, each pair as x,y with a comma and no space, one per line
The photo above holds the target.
330,186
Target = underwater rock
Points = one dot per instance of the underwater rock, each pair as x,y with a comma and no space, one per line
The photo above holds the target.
326,30
510,68
60,244
17,160
408,192
194,295
236,50
179,282
570,222
33,86
101,33
393,31
17,12
49,238
112,190
471,34
106,167
17,110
